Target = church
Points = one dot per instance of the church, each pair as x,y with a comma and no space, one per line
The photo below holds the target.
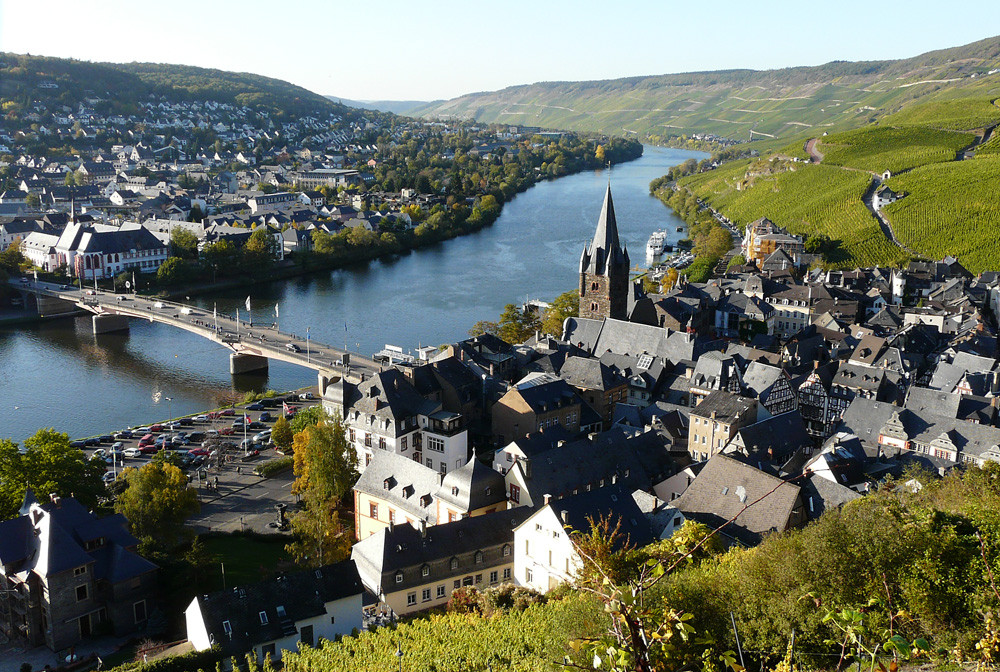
605,290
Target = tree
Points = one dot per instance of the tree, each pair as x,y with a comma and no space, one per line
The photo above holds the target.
33,200
282,434
307,417
183,243
600,154
325,470
156,504
669,280
172,271
48,465
517,325
563,306
260,250
483,327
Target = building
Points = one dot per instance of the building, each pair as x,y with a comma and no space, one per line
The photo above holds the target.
544,554
271,202
268,618
715,421
409,570
598,384
535,405
66,575
604,269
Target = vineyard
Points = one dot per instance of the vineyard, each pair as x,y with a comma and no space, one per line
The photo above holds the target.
810,199
991,147
880,148
961,114
529,640
951,208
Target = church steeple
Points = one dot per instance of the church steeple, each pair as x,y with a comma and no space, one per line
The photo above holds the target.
604,267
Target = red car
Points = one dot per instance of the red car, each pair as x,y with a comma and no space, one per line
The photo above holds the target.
149,448
146,440
156,428
198,451
226,431
227,411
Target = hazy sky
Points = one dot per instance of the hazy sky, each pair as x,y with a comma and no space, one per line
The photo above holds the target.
407,50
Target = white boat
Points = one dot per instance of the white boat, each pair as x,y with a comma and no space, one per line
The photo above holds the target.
657,245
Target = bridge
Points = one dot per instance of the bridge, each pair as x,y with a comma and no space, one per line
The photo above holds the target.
250,346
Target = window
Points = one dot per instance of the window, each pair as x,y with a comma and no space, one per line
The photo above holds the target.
368,439
550,559
506,573
333,619
440,591
454,563
527,575
478,558
263,618
353,438
515,493
227,628
399,577
81,593
306,635
430,463
493,576
425,595
479,578
373,510
425,570
411,599
527,547
458,584
79,571
402,443
506,550
267,651
139,611
467,581
435,444
392,516
381,442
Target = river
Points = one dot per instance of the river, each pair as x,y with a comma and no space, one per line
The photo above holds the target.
59,374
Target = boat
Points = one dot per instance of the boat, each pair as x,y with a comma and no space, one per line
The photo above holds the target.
657,245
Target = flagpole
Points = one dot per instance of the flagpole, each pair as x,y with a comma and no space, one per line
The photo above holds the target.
237,321
215,317
307,344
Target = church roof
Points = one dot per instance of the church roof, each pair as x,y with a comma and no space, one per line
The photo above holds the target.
605,250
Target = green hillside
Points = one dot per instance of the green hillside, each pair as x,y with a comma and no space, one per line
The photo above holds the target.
25,78
730,103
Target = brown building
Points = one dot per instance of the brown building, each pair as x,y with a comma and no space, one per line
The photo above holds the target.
66,574
537,405
716,420
604,266
597,383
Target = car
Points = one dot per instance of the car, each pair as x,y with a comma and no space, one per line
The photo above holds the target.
186,422
211,432
117,446
226,431
106,438
196,437
271,402
199,451
173,426
256,406
265,417
124,434
109,477
79,443
256,424
149,448
156,427
292,347
262,437
306,396
227,412
100,452
201,418
146,440
93,441
140,430
132,452
179,441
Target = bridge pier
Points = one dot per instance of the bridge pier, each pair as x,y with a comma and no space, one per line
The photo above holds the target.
240,363
104,324
49,306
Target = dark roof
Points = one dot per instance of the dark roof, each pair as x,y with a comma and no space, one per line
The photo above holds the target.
473,486
605,251
398,479
726,486
725,405
590,374
614,503
776,438
303,595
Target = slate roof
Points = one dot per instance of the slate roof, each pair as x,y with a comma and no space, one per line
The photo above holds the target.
820,495
613,503
303,595
725,486
774,439
590,374
388,397
759,378
605,251
397,479
473,486
725,405
629,338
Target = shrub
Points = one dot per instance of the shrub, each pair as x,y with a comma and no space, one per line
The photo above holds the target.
275,466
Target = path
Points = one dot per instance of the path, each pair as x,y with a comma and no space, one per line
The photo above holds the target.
814,153
869,200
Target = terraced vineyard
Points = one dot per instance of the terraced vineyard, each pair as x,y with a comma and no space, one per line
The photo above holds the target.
960,115
880,148
951,208
991,147
807,199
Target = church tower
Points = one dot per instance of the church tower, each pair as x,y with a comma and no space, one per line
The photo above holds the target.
604,268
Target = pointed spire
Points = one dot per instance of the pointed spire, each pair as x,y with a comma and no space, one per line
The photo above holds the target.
605,250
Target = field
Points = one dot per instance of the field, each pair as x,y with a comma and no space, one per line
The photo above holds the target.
807,199
991,147
951,208
960,114
880,148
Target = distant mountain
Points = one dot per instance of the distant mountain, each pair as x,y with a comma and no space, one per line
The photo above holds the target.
70,81
729,103
403,107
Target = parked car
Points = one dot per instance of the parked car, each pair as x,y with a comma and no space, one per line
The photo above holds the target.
156,427
108,477
196,437
226,431
93,441
256,406
79,443
265,417
306,396
124,434
147,440
141,430
256,424
201,418
117,446
186,422
149,448
100,452
105,438
132,452
199,451
173,426
262,437
227,412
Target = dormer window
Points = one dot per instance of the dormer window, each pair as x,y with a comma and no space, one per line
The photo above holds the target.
227,628
506,550
425,570
478,558
454,563
454,490
399,577
263,618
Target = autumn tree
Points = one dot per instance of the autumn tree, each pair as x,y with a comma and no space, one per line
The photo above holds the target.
563,306
47,465
669,280
183,243
156,503
517,325
325,470
282,434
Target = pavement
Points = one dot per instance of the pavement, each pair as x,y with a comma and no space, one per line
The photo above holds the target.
40,657
243,501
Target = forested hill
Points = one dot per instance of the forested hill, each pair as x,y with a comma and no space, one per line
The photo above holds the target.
29,78
729,103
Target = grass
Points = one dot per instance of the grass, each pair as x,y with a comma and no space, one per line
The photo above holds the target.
247,558
807,199
951,208
880,148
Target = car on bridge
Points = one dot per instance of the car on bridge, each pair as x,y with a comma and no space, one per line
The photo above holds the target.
292,347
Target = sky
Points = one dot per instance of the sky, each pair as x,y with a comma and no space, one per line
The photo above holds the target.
406,50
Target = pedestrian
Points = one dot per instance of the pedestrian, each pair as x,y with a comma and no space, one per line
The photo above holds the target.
239,469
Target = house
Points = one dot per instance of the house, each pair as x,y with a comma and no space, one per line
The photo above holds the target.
715,421
756,502
598,384
268,618
409,570
536,403
66,574
770,386
394,489
544,554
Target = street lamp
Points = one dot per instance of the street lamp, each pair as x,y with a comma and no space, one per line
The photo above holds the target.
399,654
170,407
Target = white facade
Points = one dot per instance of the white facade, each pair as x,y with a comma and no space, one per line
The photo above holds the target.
416,438
544,556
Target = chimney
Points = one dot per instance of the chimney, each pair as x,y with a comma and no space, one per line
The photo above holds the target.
527,467
440,478
55,499
392,525
564,516
713,415
546,499
423,528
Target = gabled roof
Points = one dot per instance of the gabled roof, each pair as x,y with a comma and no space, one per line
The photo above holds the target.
473,486
589,374
613,503
399,480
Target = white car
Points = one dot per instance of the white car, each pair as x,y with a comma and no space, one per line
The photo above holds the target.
200,418
132,452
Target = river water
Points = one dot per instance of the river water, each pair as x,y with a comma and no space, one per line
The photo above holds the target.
59,374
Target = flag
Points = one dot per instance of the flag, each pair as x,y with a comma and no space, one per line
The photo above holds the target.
248,304
284,408
345,327
276,310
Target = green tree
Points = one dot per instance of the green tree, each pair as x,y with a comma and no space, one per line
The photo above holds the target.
173,271
48,465
282,434
183,243
516,325
156,503
33,200
483,327
260,250
308,417
563,306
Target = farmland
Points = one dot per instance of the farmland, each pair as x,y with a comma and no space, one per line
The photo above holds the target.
951,208
880,148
